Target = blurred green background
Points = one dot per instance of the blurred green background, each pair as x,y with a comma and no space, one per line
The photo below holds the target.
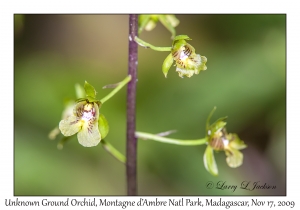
245,79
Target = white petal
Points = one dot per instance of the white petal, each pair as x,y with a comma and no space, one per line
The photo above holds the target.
70,126
184,72
89,136
234,158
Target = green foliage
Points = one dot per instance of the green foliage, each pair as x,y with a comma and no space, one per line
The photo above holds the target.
103,126
217,125
89,90
181,38
167,64
91,99
209,161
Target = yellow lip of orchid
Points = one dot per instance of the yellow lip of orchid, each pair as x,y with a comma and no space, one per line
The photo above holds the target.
83,121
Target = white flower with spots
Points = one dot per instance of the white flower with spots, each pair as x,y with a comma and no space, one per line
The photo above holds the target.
83,121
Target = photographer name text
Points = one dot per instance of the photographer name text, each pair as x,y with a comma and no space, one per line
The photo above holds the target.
245,185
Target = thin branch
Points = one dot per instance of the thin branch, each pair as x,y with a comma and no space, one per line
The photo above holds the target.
149,136
147,45
117,88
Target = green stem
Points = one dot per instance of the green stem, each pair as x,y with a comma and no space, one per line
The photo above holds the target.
154,137
147,45
113,151
120,85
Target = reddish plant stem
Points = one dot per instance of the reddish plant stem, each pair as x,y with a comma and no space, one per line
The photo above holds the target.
131,144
